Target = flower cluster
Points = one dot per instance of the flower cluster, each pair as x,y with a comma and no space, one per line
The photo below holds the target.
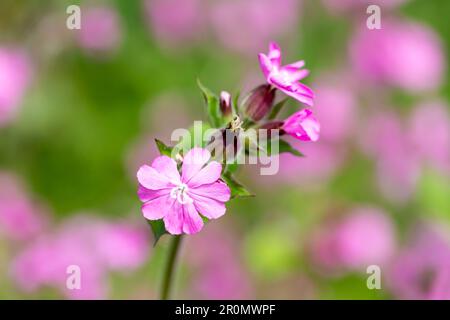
178,189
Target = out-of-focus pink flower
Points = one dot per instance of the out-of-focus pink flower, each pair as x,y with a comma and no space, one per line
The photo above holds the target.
285,78
20,217
363,237
404,54
46,261
100,29
321,160
15,73
92,245
178,199
302,125
336,110
217,271
122,246
175,21
246,26
348,5
430,134
398,167
420,271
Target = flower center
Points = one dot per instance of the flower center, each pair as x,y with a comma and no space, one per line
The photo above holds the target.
180,193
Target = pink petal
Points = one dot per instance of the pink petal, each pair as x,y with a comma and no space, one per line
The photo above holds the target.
152,179
275,54
193,162
168,167
173,220
145,194
312,129
298,91
265,64
210,208
192,223
295,65
303,126
209,174
299,75
158,208
218,191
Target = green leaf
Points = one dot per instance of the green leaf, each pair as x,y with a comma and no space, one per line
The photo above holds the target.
237,189
231,167
235,104
276,109
213,106
286,147
163,148
158,229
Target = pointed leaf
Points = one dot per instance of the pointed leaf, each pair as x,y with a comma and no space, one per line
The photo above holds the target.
276,109
163,148
213,106
235,104
158,229
286,147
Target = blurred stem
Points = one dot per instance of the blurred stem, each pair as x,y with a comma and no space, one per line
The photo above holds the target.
170,267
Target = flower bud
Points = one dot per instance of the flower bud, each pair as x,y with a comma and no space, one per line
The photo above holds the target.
302,125
225,103
259,102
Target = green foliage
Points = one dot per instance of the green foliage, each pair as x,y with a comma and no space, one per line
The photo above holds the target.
212,106
163,149
276,109
158,229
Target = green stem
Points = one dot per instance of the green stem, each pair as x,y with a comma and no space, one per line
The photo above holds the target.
170,267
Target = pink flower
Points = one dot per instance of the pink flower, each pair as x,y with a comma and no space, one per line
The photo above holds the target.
302,125
430,134
336,107
348,5
217,274
362,238
322,160
100,30
285,78
175,22
404,54
247,26
15,72
421,270
20,218
94,245
121,246
398,166
179,199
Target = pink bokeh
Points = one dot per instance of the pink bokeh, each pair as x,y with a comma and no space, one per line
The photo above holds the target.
363,237
100,31
15,74
93,245
21,218
403,54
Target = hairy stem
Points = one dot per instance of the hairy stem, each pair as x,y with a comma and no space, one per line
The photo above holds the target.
170,267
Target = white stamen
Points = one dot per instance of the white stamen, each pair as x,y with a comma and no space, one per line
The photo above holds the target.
180,193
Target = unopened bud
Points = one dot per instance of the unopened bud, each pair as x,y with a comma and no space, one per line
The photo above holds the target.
259,102
225,103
